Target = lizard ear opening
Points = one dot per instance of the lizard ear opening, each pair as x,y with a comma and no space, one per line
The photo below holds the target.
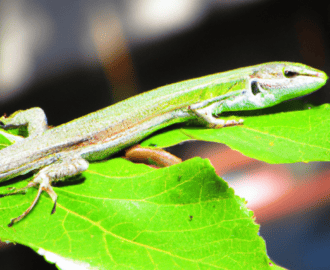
255,88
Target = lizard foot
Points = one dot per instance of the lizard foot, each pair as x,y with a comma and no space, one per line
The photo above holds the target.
44,185
66,167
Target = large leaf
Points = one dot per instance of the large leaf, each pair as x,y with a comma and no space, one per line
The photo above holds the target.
123,215
285,137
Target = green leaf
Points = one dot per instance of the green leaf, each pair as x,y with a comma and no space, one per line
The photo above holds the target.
285,137
122,215
4,142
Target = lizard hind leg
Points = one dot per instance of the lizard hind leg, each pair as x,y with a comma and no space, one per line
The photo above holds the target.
66,167
34,118
154,156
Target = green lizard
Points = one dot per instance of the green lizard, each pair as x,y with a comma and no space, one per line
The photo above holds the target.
65,151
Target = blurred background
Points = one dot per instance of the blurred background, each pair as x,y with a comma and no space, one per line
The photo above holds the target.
74,57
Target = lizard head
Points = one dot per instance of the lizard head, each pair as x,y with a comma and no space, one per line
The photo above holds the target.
285,80
271,83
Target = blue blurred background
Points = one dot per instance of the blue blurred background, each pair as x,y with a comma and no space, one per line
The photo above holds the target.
74,57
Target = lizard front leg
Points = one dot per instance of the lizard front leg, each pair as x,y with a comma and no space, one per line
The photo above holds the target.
66,167
206,114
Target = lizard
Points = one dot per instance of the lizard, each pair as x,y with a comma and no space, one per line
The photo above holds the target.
64,151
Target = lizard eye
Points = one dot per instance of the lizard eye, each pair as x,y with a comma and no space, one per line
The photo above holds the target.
290,74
